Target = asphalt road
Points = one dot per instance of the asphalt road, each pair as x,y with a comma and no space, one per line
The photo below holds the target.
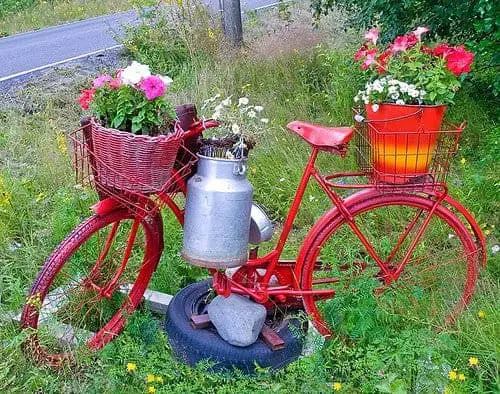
24,53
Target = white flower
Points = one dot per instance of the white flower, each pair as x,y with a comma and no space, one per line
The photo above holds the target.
366,101
166,80
423,93
259,108
403,86
265,120
395,96
393,82
375,107
282,179
495,249
243,101
252,114
312,198
235,128
392,89
356,99
400,102
134,73
413,93
226,101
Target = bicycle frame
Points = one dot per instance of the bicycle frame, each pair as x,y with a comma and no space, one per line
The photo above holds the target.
225,285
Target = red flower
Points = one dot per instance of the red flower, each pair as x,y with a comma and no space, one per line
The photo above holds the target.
459,60
360,53
86,98
442,50
369,59
382,62
412,40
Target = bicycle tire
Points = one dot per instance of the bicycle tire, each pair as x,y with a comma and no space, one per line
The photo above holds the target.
333,226
73,260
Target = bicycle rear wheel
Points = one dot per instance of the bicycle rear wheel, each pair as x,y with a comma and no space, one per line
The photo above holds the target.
90,285
435,285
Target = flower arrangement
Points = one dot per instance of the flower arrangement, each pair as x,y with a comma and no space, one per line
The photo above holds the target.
409,72
132,100
242,123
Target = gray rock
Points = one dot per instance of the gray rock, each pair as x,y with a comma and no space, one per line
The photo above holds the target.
237,319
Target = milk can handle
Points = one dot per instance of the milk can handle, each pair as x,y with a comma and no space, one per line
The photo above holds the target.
239,168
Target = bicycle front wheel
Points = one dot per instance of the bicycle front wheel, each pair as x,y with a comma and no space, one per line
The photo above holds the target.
90,285
434,287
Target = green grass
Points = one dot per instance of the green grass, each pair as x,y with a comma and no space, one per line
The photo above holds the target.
316,85
25,15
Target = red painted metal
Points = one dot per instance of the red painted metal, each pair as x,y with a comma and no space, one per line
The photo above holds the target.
321,137
267,279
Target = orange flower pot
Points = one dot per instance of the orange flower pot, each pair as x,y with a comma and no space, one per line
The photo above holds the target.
403,138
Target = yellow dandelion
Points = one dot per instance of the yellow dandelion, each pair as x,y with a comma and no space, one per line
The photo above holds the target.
337,386
481,314
131,367
150,378
461,377
463,161
254,170
61,143
151,389
159,379
211,34
473,361
40,197
4,198
492,226
452,375
487,232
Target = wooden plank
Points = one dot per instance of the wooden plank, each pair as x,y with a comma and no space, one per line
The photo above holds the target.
271,338
200,321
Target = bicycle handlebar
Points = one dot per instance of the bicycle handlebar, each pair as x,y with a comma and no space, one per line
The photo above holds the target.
199,126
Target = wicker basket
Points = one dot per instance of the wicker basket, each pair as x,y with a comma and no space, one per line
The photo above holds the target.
129,162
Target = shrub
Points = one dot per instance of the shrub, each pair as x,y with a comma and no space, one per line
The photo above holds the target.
476,22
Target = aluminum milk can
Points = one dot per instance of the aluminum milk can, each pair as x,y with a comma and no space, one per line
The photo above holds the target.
217,215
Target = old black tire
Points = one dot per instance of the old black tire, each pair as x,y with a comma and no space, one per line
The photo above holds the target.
194,345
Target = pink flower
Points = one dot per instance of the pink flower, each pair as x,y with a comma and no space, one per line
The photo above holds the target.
101,80
369,59
459,60
115,83
153,87
360,53
419,31
372,35
402,43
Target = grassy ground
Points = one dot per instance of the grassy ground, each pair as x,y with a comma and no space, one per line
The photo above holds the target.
310,77
26,15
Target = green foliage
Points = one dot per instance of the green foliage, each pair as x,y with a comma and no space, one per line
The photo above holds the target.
128,109
8,7
475,22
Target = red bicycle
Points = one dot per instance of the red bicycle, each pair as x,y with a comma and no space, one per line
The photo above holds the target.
407,235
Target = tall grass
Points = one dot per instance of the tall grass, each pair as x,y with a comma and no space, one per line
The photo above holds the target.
314,84
26,15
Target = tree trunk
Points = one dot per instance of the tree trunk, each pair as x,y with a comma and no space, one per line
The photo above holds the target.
233,29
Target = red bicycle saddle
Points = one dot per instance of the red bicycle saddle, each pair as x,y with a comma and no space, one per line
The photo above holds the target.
321,137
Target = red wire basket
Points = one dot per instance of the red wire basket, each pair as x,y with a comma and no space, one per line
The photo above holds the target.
129,167
405,159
